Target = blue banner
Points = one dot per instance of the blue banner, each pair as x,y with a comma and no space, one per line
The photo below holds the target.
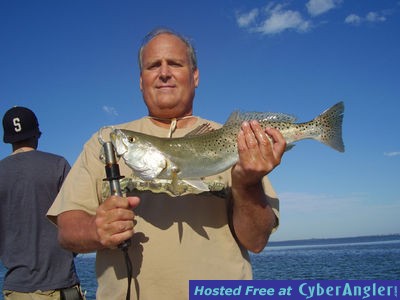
293,289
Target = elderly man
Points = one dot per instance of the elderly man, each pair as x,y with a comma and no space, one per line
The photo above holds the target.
174,239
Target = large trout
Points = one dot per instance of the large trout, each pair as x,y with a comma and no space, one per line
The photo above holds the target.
210,153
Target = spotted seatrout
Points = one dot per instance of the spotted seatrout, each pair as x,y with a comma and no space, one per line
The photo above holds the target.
206,154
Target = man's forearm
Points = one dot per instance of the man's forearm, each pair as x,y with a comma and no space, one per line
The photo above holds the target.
77,232
252,217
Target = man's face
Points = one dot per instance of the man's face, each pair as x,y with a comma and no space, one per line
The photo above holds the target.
167,80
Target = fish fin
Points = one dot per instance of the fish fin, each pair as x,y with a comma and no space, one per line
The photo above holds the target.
197,184
233,118
203,128
178,187
239,117
331,125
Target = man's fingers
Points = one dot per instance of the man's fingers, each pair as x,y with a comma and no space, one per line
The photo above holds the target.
279,142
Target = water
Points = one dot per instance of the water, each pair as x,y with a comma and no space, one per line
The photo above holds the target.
366,260
85,266
352,258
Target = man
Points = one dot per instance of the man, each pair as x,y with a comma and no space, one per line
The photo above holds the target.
37,266
174,239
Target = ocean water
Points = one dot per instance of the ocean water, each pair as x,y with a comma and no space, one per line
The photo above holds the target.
372,258
363,260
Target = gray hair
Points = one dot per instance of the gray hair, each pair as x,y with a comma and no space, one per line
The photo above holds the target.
152,34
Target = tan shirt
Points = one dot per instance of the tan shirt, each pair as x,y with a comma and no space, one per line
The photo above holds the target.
176,238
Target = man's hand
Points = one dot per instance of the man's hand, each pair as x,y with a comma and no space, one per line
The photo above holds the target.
115,220
259,153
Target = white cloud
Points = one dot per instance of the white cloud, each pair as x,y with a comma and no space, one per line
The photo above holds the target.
352,19
110,110
372,17
279,20
394,153
276,18
375,17
244,20
317,7
272,20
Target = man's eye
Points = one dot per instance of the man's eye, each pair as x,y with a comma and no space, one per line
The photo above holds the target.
175,64
153,66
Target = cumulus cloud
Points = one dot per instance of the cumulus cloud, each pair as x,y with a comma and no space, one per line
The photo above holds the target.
272,19
352,19
276,18
110,110
375,17
244,20
318,7
371,17
394,153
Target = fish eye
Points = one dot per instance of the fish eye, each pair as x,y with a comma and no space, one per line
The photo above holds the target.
131,139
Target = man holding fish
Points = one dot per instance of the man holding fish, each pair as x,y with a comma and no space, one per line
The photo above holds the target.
174,236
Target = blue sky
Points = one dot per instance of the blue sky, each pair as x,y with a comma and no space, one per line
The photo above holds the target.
74,63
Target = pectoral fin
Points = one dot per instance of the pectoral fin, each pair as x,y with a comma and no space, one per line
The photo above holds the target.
197,184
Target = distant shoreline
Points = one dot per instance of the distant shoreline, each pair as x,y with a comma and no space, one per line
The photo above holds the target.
342,240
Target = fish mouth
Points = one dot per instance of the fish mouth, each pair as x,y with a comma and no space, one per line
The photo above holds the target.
117,137
113,137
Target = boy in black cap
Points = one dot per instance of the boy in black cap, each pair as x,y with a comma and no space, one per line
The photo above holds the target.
20,123
38,268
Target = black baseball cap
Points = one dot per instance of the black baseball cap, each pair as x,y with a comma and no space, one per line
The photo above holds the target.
20,123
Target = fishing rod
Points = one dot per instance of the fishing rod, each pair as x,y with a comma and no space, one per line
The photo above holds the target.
113,177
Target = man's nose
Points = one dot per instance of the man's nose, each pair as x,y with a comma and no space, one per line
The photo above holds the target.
165,71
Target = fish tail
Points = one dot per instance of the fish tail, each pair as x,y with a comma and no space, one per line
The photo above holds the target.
330,123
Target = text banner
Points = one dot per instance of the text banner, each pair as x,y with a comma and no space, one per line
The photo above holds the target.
293,289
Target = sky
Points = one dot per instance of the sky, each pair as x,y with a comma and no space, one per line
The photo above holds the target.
74,63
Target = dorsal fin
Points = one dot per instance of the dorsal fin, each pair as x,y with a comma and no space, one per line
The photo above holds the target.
239,117
203,128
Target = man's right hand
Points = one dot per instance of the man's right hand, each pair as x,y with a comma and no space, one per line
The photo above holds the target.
115,220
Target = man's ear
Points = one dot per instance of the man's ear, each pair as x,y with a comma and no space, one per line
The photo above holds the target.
196,77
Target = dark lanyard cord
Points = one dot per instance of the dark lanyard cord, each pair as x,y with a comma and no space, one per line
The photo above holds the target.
128,263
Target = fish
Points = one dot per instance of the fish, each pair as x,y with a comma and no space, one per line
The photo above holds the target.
201,154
